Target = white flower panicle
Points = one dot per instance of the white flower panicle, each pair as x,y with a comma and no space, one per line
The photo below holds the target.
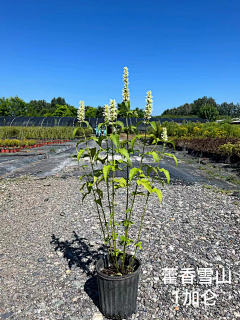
125,92
148,107
81,112
113,111
106,113
164,134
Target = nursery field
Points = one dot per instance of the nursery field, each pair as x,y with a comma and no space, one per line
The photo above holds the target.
219,141
50,241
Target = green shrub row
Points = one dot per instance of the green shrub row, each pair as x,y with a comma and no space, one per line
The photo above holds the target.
16,143
197,130
41,132
230,149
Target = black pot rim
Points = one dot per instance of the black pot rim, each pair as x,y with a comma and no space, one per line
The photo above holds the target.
118,278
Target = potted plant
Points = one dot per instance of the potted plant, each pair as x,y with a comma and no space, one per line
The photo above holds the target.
118,272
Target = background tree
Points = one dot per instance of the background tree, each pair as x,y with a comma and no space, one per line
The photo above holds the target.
60,101
63,111
208,112
90,112
5,107
18,107
99,112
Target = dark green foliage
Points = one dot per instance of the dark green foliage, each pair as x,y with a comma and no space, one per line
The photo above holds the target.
208,112
193,109
99,112
90,112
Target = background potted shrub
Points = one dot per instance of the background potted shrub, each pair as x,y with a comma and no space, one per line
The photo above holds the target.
118,274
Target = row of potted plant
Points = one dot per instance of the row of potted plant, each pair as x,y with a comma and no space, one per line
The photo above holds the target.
12,146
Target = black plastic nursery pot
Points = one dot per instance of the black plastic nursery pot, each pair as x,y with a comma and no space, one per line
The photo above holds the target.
118,294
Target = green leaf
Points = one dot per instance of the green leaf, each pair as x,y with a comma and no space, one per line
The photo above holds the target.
153,125
98,201
100,193
115,140
133,141
122,240
95,179
149,170
102,160
132,173
115,236
167,175
138,193
80,153
107,239
158,193
139,245
155,156
127,223
125,154
120,124
146,184
106,170
87,123
139,122
172,156
74,132
93,151
122,182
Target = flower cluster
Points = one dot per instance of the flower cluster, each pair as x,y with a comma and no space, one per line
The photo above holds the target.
125,92
106,113
164,134
148,107
113,111
81,112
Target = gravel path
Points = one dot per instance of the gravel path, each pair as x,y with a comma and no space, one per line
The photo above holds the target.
49,242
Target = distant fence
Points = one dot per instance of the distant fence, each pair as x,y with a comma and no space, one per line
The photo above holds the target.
72,121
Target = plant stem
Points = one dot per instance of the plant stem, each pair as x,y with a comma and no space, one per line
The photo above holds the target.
143,215
134,196
95,198
113,210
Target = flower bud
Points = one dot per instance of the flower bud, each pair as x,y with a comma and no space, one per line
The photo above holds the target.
148,107
81,112
106,113
125,91
113,111
164,134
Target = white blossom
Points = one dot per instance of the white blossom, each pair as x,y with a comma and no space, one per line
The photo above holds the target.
106,113
148,107
81,112
125,91
164,134
113,111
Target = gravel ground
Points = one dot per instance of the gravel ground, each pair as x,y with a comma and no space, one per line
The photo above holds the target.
49,242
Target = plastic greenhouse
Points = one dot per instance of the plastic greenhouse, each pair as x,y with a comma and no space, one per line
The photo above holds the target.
72,122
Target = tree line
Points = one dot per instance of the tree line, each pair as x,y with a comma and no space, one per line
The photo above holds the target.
203,107
196,108
58,107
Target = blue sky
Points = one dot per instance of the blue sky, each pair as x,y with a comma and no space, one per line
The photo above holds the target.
181,50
